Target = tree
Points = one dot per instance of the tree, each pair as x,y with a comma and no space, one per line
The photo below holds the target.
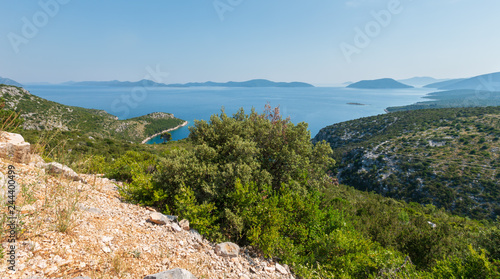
166,137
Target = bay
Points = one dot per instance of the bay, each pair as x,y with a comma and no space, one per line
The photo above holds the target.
317,106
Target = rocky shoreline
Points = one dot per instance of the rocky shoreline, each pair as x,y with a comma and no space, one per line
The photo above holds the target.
165,131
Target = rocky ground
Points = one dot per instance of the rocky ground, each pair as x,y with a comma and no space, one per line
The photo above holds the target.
69,227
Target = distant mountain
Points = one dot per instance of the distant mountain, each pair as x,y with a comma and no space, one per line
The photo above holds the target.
149,83
420,81
487,82
115,83
384,83
249,83
443,83
8,81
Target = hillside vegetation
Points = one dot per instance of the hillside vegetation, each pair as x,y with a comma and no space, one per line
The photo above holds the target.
256,179
40,114
446,157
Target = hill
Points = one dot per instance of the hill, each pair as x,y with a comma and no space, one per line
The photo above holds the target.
249,83
8,81
41,114
443,83
116,83
384,83
420,81
445,157
454,99
149,83
487,82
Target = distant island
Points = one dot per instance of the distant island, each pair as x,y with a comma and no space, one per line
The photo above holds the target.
149,83
356,104
443,83
420,81
384,83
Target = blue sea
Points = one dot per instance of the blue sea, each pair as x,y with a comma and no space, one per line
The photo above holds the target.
318,106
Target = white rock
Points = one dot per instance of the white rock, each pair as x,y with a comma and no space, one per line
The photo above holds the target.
14,147
281,269
175,227
227,249
60,169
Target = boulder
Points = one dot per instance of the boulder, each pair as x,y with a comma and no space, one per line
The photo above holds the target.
13,146
161,219
176,273
60,169
227,249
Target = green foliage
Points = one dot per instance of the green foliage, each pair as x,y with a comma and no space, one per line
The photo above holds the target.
200,216
475,265
9,120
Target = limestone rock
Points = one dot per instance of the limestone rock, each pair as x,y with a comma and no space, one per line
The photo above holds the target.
227,249
184,224
60,169
281,269
161,219
14,147
176,273
175,227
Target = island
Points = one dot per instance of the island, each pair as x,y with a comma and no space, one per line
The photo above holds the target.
384,83
356,104
149,83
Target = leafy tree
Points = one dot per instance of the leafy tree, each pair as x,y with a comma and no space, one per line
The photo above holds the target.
166,137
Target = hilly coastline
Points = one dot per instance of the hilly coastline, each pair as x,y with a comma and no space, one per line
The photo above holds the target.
149,83
40,114
445,157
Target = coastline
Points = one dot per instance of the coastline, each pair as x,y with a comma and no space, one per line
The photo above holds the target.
165,131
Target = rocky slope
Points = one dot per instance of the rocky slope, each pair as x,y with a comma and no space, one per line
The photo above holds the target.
69,227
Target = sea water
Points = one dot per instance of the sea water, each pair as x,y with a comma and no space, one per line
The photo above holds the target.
317,106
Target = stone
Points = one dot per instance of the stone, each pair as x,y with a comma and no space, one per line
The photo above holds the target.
227,249
281,269
60,169
13,146
175,227
184,224
176,273
161,219
82,277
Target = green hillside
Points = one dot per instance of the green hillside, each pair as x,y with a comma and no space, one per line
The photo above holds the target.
454,99
446,157
41,114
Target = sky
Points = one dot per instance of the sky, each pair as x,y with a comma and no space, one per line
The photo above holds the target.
176,41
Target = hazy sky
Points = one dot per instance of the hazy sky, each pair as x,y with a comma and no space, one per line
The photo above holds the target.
316,41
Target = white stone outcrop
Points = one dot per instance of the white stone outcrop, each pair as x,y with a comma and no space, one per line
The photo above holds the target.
60,169
13,147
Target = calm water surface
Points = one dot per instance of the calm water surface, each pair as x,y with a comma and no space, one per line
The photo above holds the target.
319,106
